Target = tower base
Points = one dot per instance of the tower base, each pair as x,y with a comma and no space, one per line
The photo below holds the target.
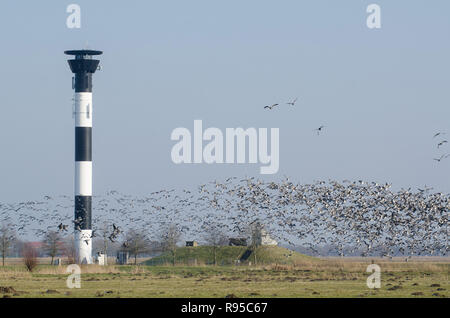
83,243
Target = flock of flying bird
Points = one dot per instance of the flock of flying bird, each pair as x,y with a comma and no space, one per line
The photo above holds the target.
320,129
441,143
292,103
345,218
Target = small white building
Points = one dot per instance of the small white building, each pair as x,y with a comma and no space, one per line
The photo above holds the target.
260,236
102,259
266,239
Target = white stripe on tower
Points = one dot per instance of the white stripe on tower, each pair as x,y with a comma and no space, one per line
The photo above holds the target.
83,178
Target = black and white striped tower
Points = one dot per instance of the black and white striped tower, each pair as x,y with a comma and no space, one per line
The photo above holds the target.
83,66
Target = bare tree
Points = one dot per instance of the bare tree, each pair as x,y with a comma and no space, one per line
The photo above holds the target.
105,234
215,238
136,242
70,249
7,238
17,248
170,236
52,244
29,257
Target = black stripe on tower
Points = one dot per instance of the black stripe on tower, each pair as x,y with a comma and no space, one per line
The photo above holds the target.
83,82
83,205
83,143
83,69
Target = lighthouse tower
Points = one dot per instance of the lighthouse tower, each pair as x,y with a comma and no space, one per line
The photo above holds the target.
83,66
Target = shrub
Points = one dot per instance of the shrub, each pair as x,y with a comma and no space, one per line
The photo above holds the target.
29,257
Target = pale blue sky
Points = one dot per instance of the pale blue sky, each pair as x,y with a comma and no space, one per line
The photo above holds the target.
381,93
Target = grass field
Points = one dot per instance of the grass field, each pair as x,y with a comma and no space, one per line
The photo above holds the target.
308,277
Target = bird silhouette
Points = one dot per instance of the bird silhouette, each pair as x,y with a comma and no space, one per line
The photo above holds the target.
442,143
441,157
270,106
293,102
319,130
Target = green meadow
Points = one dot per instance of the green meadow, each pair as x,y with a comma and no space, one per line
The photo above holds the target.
277,273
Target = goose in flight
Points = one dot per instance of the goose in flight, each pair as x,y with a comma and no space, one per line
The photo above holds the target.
293,102
62,227
425,189
442,142
441,157
270,107
319,130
